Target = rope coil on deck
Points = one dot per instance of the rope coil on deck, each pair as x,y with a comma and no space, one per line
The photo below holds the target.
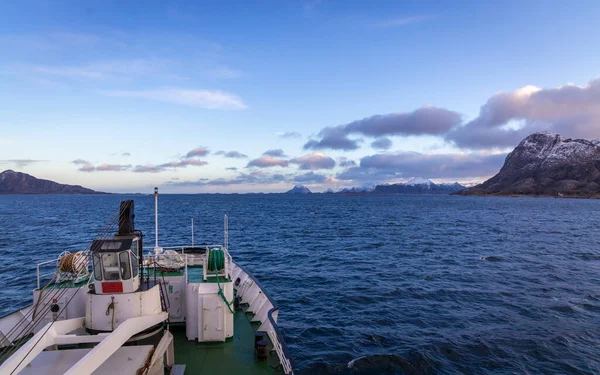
216,260
71,263
216,263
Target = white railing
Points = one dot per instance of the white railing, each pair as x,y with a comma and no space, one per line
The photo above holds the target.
265,311
274,337
39,275
81,266
180,247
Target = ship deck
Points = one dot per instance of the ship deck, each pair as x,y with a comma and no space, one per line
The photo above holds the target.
234,356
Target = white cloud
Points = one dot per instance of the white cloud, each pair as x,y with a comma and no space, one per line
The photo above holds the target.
108,69
195,98
401,21
224,72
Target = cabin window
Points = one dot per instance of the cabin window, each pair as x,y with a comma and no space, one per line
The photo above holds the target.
125,265
97,267
110,263
135,265
134,259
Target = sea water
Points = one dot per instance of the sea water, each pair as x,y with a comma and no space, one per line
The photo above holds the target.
402,284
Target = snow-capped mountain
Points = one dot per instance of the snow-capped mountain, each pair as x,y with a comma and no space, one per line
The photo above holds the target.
419,181
358,189
418,185
547,164
299,189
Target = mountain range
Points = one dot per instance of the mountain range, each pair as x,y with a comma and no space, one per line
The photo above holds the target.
12,182
417,185
543,164
546,164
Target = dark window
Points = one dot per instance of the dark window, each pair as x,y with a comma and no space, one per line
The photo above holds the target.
97,267
135,265
110,265
125,265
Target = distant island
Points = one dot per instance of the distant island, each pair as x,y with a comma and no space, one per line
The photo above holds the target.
546,164
12,182
299,189
417,185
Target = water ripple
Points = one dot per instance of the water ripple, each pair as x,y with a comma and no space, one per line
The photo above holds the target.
374,285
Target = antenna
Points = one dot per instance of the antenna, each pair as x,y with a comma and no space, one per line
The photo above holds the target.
192,232
155,218
226,232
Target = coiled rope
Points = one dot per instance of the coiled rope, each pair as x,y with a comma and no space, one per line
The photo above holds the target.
70,263
216,260
218,263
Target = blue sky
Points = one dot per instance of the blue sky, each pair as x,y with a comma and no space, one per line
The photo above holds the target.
128,91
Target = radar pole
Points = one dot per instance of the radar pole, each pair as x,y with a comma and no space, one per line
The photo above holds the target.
155,218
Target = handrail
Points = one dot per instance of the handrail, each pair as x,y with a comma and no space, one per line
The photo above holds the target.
46,264
37,270
284,348
181,247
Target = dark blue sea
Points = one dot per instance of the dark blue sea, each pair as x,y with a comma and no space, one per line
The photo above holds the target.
373,284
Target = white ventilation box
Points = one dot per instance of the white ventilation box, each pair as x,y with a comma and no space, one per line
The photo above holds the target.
208,317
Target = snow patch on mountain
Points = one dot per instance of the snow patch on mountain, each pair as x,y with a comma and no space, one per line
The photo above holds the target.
419,181
547,164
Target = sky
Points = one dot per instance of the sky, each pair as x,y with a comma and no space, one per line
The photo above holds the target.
257,96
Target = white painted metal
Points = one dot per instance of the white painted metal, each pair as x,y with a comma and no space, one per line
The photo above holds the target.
7,324
79,339
212,323
101,352
208,318
101,316
164,349
71,305
175,288
191,308
41,340
127,360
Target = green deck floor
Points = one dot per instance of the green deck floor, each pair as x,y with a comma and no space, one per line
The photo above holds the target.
67,284
194,274
234,356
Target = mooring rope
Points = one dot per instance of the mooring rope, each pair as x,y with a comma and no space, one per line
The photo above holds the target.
70,263
219,260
